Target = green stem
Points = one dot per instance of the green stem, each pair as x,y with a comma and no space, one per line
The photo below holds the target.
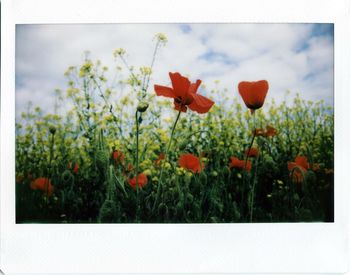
137,167
253,191
165,159
245,162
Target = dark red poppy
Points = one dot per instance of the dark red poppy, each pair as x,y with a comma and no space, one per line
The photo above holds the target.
118,156
159,159
43,184
315,167
240,164
253,93
270,131
19,178
75,169
130,167
252,152
299,167
185,94
141,181
191,162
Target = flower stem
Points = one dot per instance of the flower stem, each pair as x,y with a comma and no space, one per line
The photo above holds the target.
165,159
137,167
252,193
246,160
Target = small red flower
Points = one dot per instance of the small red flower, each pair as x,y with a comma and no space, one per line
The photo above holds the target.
118,156
43,184
315,167
159,159
253,93
75,169
270,131
252,152
130,167
141,181
240,164
185,94
191,162
298,168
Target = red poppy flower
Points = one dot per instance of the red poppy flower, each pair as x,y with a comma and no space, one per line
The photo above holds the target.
75,169
253,93
270,131
141,181
191,162
240,164
43,184
298,168
185,94
118,156
159,159
252,152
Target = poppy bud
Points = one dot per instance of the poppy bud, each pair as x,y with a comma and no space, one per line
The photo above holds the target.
142,106
52,129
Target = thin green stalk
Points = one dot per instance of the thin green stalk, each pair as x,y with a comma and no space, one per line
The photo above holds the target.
165,159
246,160
137,167
253,191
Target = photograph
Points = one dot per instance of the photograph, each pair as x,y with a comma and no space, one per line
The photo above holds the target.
180,123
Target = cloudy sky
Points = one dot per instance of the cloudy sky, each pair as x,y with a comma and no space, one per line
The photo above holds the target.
294,57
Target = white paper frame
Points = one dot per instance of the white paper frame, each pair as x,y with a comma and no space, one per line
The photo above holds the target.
182,248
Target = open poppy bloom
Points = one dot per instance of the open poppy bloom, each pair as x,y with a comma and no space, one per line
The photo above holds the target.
159,159
185,94
298,168
141,181
240,164
43,184
252,152
191,162
253,93
118,156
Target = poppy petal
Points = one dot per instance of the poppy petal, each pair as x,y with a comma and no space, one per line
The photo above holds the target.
180,84
194,86
302,161
201,104
190,162
164,91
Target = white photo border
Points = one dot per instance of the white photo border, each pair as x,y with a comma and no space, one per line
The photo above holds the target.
174,248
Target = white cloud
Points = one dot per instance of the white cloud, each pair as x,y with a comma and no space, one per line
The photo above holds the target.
289,56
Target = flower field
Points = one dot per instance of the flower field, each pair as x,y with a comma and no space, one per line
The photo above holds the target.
169,153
